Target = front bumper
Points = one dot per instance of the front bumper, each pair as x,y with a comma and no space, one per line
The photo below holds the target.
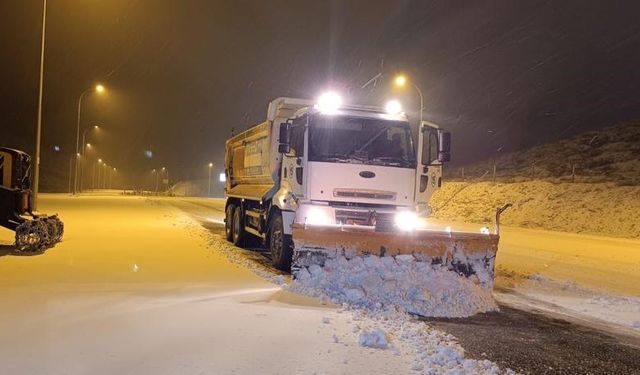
382,218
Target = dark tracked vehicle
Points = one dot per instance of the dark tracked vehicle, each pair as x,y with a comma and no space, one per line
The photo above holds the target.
34,232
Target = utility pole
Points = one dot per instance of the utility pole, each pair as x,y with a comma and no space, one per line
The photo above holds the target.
36,169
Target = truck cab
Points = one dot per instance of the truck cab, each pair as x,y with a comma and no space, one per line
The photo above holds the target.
334,166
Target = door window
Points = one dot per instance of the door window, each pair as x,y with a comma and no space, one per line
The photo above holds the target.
430,147
297,138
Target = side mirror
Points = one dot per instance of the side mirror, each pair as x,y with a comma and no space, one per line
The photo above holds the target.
284,149
284,138
444,149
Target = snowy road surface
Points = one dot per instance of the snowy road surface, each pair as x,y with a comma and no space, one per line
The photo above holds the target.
543,326
136,288
133,289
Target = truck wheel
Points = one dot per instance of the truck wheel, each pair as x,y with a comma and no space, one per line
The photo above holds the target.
228,222
237,230
280,245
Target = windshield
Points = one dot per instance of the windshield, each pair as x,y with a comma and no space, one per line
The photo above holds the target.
361,140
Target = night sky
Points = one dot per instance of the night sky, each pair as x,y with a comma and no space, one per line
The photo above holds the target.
181,74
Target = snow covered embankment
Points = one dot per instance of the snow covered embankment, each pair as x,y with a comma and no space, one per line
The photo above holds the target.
590,208
396,283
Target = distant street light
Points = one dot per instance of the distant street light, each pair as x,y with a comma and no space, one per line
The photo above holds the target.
86,145
401,81
104,175
99,89
165,178
157,178
209,189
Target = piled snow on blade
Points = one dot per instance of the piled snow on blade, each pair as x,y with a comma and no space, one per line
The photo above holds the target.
401,282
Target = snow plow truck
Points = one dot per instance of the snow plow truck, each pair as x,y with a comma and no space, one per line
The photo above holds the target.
323,184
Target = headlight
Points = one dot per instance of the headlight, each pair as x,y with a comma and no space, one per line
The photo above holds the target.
393,107
316,216
329,103
406,220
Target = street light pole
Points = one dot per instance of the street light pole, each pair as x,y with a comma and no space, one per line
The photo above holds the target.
421,100
157,174
165,176
84,151
209,188
36,169
75,178
98,88
104,176
401,81
70,173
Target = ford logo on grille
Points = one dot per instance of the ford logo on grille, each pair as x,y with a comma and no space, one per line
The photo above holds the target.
367,174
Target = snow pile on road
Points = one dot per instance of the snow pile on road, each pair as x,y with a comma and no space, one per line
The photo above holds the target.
373,339
432,351
596,208
390,283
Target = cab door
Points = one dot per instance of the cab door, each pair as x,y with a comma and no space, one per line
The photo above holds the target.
294,162
429,165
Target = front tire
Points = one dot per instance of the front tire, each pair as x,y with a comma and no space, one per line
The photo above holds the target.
228,222
280,245
238,227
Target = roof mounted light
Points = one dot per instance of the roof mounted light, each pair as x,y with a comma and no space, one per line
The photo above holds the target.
329,103
393,107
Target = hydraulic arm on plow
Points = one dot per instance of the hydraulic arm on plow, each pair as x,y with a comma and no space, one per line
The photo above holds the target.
34,232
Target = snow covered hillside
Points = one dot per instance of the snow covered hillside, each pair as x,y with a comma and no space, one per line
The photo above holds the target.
607,155
590,208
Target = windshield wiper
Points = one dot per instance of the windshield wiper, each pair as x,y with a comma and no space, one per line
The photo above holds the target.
367,143
343,158
392,160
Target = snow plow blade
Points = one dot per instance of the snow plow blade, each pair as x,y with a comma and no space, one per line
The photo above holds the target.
429,273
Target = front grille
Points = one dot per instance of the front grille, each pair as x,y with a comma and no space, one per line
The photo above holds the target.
362,217
366,194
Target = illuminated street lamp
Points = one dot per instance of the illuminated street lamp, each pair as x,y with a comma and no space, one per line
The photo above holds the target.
157,178
105,167
98,89
401,81
93,175
209,189
165,177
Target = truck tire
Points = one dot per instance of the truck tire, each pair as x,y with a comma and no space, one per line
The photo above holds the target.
280,245
228,222
237,228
